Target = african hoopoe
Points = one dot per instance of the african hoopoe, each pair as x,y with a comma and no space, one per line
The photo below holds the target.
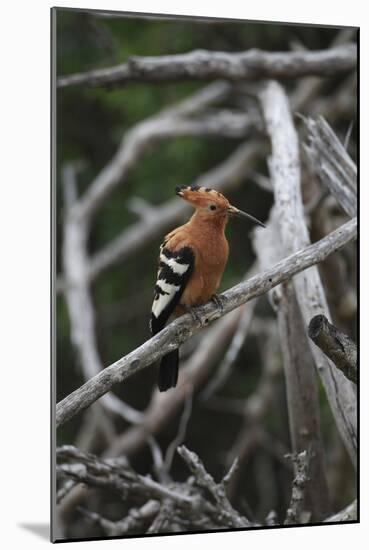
191,263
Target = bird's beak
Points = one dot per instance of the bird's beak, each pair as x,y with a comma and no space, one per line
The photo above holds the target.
233,211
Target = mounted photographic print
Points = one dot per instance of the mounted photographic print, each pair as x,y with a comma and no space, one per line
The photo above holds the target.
204,184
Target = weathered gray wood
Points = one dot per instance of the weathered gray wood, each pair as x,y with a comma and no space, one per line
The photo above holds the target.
347,514
179,120
296,507
300,376
226,513
204,65
193,373
181,329
78,298
285,173
200,503
332,164
226,176
336,345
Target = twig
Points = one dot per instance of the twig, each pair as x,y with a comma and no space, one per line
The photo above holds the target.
114,475
231,472
168,123
172,447
332,164
205,65
136,519
227,176
64,490
182,329
159,468
217,492
233,350
335,344
310,294
296,507
199,503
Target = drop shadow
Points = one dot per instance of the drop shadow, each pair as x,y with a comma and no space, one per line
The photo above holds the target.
40,529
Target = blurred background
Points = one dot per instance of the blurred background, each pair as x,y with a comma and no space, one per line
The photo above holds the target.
91,122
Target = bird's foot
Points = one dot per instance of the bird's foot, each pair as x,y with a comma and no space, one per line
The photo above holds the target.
218,302
195,316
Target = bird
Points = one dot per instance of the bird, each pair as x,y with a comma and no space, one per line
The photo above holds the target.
191,263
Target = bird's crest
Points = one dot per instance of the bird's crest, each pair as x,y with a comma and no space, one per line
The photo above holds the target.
201,196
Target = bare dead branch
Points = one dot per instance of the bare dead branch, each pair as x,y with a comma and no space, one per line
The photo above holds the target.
307,89
77,293
137,518
181,329
336,345
203,479
255,407
197,503
113,475
230,474
226,176
285,172
347,514
192,374
169,455
171,122
205,65
234,348
332,164
300,376
296,507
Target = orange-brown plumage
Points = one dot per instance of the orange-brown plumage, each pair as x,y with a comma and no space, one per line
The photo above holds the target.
191,264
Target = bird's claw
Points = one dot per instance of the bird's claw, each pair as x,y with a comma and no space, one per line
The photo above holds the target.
218,302
195,316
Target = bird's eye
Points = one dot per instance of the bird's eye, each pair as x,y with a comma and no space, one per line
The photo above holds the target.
212,207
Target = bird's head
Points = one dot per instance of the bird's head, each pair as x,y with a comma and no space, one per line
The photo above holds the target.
210,204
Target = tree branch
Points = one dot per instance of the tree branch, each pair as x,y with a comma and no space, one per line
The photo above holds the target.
78,298
182,329
205,65
198,502
296,507
225,512
347,514
300,376
225,177
192,374
285,172
332,164
168,123
336,345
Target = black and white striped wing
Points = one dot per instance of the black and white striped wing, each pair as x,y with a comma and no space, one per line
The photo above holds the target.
175,269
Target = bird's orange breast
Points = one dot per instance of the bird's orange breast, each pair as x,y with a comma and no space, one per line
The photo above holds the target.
211,255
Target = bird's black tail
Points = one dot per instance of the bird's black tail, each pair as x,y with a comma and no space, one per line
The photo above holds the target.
168,371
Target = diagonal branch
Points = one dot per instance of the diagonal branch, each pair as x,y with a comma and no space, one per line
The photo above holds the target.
182,329
332,164
204,65
225,176
171,122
